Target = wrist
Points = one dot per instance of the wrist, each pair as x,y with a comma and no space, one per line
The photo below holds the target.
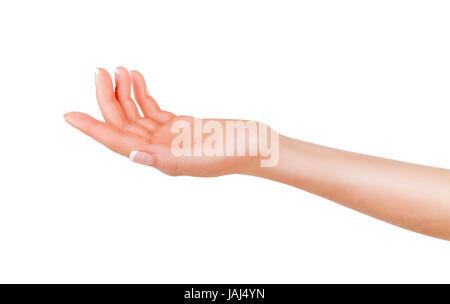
264,165
262,152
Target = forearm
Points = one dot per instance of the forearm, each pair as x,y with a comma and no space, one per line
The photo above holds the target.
411,196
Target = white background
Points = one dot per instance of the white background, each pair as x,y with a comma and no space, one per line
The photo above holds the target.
366,76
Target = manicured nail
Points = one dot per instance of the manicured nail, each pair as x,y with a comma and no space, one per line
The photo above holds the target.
72,120
143,158
117,74
96,77
66,117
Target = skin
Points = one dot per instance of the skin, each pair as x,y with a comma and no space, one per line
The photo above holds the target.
411,196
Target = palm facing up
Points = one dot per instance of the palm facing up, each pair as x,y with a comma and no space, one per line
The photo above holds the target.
124,130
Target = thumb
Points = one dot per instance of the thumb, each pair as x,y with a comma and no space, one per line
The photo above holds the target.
157,156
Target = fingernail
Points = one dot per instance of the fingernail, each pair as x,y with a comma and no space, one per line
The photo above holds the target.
96,77
66,117
117,74
143,158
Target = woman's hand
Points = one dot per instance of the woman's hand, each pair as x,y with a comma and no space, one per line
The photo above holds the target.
411,196
148,139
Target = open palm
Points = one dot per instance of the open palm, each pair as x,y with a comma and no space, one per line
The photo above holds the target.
125,130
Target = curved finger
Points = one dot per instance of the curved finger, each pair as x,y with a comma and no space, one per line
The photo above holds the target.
157,156
121,142
123,94
162,158
110,108
147,104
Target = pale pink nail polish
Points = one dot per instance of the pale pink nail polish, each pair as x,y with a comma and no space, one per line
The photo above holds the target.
117,74
143,158
96,77
66,118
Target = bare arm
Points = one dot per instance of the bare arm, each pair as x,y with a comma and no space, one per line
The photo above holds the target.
410,196
407,195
